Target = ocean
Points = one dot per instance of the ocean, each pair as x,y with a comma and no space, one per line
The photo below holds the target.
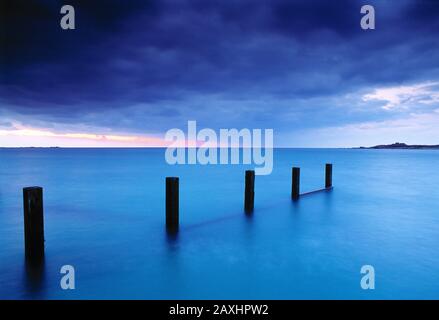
105,216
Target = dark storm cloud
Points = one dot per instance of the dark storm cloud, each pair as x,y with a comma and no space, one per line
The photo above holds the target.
167,55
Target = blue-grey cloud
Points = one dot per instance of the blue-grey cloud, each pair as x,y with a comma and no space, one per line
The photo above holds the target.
155,64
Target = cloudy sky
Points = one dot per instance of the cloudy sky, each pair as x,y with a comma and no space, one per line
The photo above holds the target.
131,70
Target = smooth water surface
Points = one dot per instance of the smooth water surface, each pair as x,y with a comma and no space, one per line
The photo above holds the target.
104,214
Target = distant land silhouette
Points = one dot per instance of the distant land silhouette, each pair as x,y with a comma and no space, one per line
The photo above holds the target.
398,145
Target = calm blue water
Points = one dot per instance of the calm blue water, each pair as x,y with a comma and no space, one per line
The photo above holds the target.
104,214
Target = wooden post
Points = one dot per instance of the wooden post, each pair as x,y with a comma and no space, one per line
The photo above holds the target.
33,223
328,175
249,191
172,204
295,184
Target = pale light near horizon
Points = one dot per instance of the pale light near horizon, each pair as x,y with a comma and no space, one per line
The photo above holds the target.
30,137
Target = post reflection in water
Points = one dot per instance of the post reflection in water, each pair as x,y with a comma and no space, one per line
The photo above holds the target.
34,276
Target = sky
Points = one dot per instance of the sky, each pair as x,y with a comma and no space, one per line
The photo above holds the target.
132,70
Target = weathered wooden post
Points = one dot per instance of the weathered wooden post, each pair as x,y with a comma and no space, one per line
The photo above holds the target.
249,191
172,204
295,184
328,175
33,223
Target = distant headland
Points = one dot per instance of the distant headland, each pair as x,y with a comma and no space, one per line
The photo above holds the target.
398,145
